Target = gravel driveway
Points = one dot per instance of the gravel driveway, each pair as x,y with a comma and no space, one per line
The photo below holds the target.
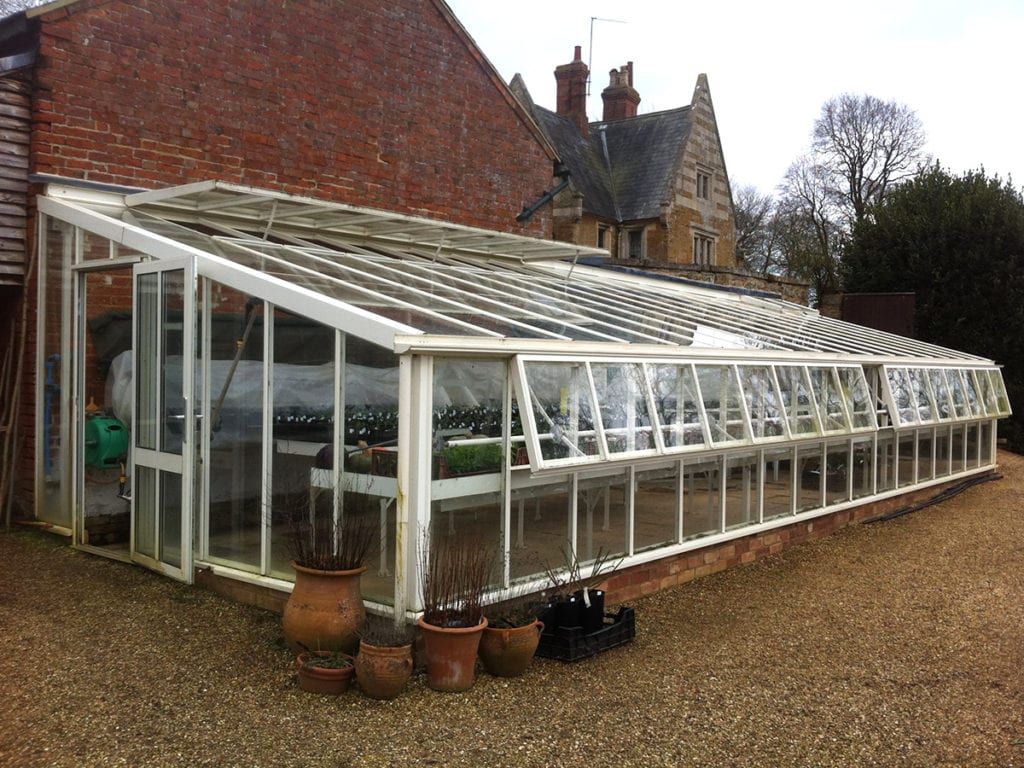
889,644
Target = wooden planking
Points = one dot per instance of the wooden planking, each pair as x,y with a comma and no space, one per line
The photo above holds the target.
15,136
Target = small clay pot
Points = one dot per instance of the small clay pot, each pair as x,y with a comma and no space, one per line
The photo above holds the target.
326,680
508,652
382,671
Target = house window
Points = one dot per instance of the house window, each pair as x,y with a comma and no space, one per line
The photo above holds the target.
602,237
634,244
703,250
703,185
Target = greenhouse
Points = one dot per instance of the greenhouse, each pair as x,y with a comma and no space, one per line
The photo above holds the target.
212,353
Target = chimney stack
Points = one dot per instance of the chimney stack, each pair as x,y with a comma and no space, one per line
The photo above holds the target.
620,98
572,92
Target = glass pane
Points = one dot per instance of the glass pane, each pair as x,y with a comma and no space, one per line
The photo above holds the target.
858,397
778,484
886,462
655,508
809,461
837,472
957,449
701,494
900,387
958,394
170,518
721,394
974,401
563,409
830,399
943,398
675,398
741,491
999,388
147,293
943,445
797,400
764,403
172,321
467,416
987,395
863,469
540,518
601,516
922,394
235,418
302,398
145,501
907,464
622,401
925,462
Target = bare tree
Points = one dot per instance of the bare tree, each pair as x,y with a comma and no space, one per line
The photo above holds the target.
864,145
753,210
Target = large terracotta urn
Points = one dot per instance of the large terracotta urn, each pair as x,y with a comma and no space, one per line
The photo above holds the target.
383,670
325,611
508,652
451,655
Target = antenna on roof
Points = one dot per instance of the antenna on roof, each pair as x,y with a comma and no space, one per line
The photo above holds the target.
590,51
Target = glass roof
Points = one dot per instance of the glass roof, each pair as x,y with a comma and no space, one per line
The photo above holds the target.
406,280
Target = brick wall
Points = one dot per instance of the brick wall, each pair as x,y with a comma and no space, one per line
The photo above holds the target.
379,104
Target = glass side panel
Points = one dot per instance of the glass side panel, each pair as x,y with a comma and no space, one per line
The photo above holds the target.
742,489
702,489
797,400
144,499
944,409
858,397
922,395
721,394
601,516
986,394
540,516
809,466
655,507
957,394
907,463
837,473
778,483
863,468
764,403
563,409
676,403
172,410
146,379
621,390
974,402
999,388
170,518
830,399
903,400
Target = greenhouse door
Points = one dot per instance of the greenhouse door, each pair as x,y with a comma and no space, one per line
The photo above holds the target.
163,423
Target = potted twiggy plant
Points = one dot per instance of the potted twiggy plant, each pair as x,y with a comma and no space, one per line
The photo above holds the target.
325,609
510,640
577,600
384,662
455,571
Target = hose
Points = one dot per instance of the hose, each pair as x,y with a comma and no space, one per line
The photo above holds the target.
953,490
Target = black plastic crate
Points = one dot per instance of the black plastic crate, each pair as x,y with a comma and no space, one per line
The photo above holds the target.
573,643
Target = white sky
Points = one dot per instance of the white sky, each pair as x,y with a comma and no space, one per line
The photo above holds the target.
771,66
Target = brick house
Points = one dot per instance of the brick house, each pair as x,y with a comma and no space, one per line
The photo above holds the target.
652,188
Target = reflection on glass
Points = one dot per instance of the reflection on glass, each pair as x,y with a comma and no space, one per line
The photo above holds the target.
907,464
172,411
741,491
764,403
702,490
540,517
621,391
837,473
170,518
943,398
145,501
720,391
857,396
830,399
900,386
778,483
655,508
796,397
676,403
809,470
922,394
863,467
147,293
601,516
562,409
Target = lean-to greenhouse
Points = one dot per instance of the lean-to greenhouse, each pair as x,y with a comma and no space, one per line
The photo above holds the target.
209,351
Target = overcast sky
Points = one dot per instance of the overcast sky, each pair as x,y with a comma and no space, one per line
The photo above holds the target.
771,66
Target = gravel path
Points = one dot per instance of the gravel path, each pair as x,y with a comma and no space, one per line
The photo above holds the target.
889,644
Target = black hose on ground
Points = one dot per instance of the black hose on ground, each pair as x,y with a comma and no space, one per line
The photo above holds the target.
949,493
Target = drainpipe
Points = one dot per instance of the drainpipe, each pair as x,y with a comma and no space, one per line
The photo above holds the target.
561,172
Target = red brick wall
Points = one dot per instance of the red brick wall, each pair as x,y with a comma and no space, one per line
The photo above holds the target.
370,103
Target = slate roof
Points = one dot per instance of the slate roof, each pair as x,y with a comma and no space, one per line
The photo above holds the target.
625,169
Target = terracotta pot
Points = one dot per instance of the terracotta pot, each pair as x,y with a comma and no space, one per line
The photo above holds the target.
383,671
325,610
327,680
451,655
508,652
